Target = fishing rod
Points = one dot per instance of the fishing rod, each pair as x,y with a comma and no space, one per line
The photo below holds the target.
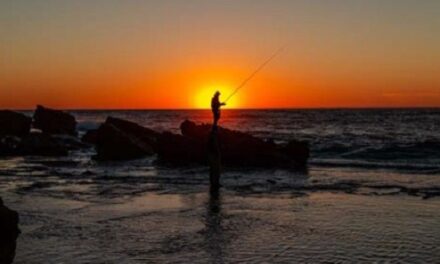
254,73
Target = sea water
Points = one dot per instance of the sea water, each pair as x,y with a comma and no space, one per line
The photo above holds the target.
371,193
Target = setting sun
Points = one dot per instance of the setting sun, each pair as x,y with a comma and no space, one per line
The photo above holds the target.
203,97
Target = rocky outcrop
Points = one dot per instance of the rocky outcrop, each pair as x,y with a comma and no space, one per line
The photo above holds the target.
242,149
9,232
36,144
57,138
69,142
299,151
119,139
9,145
14,124
177,149
52,121
133,129
90,137
40,144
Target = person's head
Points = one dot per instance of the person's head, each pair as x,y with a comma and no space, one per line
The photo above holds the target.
217,94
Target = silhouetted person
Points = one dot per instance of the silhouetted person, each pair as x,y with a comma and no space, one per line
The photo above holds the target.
213,146
215,107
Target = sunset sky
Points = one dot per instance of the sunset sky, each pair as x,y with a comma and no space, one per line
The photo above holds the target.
176,53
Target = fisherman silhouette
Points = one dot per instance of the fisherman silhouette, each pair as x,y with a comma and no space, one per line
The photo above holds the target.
213,146
215,107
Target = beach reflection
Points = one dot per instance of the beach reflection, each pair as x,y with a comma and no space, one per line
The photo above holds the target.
215,241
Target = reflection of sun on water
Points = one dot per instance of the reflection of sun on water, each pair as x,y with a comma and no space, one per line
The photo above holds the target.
203,97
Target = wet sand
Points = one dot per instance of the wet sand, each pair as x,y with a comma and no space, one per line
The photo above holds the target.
197,227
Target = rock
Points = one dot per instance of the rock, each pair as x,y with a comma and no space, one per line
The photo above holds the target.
90,137
114,143
119,139
236,148
52,121
181,150
241,149
9,232
134,130
8,145
69,142
14,124
298,150
40,144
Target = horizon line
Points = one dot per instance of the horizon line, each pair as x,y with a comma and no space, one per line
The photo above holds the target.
237,109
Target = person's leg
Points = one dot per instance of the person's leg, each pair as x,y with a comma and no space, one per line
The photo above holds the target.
213,118
216,118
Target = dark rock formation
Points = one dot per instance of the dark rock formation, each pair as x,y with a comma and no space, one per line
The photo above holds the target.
297,150
119,139
177,149
69,142
9,145
90,137
14,124
9,232
133,129
52,121
129,128
241,149
16,139
236,148
40,144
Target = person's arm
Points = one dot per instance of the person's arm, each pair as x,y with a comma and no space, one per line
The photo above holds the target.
223,103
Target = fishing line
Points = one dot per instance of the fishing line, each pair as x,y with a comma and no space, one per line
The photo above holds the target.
254,73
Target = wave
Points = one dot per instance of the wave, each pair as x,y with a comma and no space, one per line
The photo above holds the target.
426,168
87,125
428,150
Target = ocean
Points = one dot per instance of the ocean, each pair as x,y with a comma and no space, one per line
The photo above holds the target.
371,193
